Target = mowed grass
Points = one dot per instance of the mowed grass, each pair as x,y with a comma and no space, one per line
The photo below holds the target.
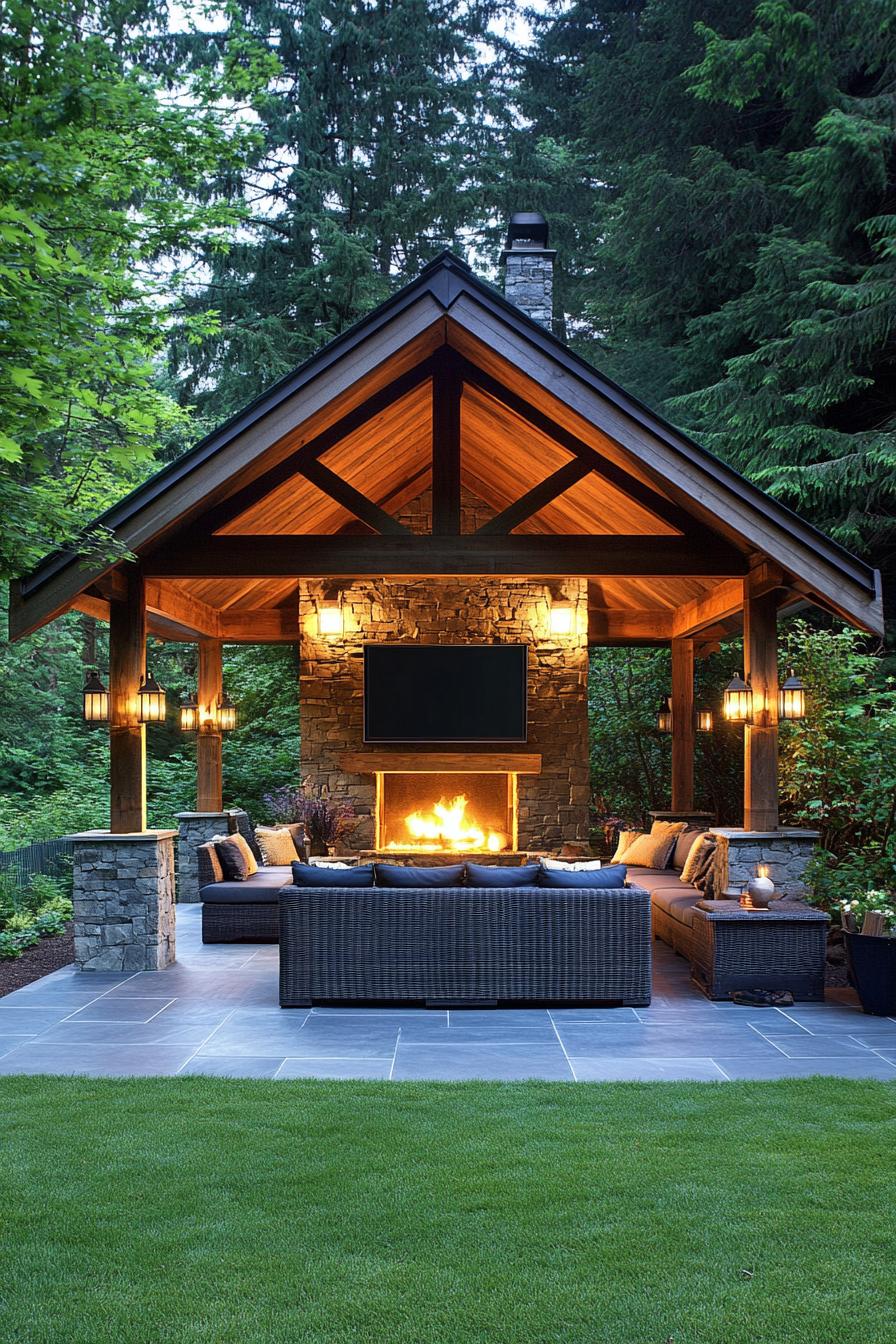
196,1209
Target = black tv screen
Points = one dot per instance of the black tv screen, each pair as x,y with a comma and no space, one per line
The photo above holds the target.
445,692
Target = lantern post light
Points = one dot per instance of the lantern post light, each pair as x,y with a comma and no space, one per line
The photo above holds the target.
96,699
664,715
738,700
792,698
704,721
189,715
151,700
225,714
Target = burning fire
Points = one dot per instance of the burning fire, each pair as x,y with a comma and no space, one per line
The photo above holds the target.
448,827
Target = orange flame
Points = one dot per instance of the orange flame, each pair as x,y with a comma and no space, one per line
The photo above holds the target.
448,827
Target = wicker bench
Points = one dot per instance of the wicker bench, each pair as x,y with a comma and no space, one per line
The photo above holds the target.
464,945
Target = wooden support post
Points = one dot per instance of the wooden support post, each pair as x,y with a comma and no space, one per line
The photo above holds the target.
208,740
682,725
127,735
761,736
446,394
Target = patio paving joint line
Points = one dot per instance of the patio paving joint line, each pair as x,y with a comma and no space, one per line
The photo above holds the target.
204,1042
562,1046
394,1055
75,1011
768,1040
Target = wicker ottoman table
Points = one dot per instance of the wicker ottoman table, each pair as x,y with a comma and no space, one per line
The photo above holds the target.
784,947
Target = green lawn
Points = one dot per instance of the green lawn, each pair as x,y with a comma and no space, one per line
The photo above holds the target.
196,1209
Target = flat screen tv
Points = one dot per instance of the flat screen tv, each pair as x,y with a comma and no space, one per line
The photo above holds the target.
445,692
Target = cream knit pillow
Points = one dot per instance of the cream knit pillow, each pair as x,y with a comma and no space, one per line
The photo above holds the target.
278,848
654,850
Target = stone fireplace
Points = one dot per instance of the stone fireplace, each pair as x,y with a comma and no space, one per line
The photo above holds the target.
547,780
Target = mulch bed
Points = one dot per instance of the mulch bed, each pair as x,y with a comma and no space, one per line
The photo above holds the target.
48,955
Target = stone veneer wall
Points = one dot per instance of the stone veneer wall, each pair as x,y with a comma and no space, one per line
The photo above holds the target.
553,806
195,829
786,852
123,895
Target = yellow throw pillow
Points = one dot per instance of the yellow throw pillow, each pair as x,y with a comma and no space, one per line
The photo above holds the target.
695,856
243,843
277,845
625,839
654,850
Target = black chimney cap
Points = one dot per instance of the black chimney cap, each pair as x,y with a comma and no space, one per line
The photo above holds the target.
528,226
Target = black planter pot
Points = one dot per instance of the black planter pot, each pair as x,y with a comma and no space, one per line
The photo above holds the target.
872,968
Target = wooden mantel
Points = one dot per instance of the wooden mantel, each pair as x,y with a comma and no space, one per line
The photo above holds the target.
440,763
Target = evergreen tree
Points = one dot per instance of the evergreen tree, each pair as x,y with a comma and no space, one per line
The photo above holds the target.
378,133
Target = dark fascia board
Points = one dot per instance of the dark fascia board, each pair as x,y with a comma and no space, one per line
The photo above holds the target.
445,279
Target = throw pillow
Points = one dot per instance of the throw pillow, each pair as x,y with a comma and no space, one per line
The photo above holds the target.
318,875
654,850
232,858
502,874
246,850
572,866
626,838
300,838
214,863
703,877
276,844
603,878
695,854
683,846
397,875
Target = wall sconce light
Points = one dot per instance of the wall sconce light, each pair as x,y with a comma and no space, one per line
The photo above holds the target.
329,617
737,704
189,715
664,715
151,701
225,715
792,698
96,699
561,619
704,721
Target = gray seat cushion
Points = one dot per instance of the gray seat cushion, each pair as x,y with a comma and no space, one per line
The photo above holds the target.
261,886
677,904
660,879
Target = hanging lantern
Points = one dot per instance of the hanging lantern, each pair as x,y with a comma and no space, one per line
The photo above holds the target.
738,700
225,715
792,698
96,700
664,715
189,715
151,699
561,618
704,720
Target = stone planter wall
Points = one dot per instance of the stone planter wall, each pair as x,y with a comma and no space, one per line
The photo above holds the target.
123,896
553,806
786,852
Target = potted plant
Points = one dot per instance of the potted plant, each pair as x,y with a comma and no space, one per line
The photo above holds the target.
326,819
869,923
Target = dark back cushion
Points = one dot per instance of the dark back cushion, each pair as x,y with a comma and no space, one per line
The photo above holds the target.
397,875
683,847
613,876
502,874
318,875
232,860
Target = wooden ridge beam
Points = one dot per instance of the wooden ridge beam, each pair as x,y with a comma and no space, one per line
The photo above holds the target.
536,498
327,556
446,395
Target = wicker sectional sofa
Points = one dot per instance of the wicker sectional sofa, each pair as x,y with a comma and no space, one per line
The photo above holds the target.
464,945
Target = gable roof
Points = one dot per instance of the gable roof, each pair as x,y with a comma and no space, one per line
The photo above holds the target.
447,302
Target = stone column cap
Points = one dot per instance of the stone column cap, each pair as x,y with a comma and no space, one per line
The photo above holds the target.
124,838
194,816
785,833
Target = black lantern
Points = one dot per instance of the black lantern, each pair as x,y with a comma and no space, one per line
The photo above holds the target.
792,698
664,715
96,699
225,714
704,721
189,715
151,701
738,700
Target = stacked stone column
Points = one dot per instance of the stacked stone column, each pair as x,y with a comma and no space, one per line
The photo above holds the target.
196,828
123,894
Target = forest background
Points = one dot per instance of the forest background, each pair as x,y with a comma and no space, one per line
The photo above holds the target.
193,199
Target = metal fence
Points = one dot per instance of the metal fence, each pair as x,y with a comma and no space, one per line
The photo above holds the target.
50,857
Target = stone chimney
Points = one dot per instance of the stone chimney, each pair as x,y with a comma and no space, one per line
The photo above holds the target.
529,267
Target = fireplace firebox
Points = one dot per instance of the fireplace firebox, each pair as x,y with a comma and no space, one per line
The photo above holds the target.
446,812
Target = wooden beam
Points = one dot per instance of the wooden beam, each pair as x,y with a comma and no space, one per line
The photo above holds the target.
97,607
682,725
723,601
629,627
446,395
127,735
761,736
346,556
315,447
351,499
643,494
440,762
181,608
273,625
208,739
535,499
